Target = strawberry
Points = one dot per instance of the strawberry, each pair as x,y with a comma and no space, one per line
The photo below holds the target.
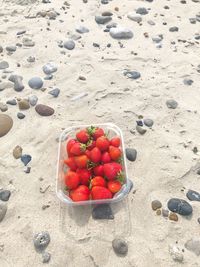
105,157
95,155
72,180
114,152
100,192
95,132
91,144
98,181
87,153
83,189
98,170
115,141
102,143
70,143
81,193
84,175
78,149
81,161
114,186
70,162
83,136
112,170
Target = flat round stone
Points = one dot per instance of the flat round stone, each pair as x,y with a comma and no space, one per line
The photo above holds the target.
180,206
121,33
6,124
193,195
17,152
120,246
70,44
49,68
44,110
35,83
148,122
131,154
172,104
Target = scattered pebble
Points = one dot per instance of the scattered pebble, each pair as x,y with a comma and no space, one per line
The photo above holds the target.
188,81
4,65
121,33
28,42
120,246
102,19
179,206
171,104
5,85
151,22
176,253
193,245
132,74
46,256
173,216
5,195
1,49
33,100
17,152
44,110
49,68
140,130
27,169
70,44
148,122
6,124
26,159
198,220
41,241
158,212
21,115
101,212
3,107
142,11
131,154
165,213
35,83
173,29
23,104
156,204
55,92
82,29
11,102
11,48
134,17
17,80
140,123
31,59
3,210
193,195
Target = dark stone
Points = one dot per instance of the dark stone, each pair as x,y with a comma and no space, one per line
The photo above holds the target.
41,241
5,195
193,195
102,211
179,206
120,246
102,19
132,74
26,159
142,11
20,115
173,29
140,123
44,110
12,102
131,154
55,92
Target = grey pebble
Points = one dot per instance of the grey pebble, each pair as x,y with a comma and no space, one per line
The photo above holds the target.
44,110
171,104
131,154
33,100
48,77
173,29
102,19
120,246
35,83
5,85
28,42
3,210
5,195
132,74
107,13
187,81
151,22
17,80
193,195
1,49
11,48
46,256
156,39
165,213
101,212
132,16
192,20
21,32
55,92
20,115
41,241
198,171
193,245
26,159
121,33
142,11
49,68
31,59
111,25
3,107
70,44
12,102
82,29
198,220
179,206
104,2
4,65
148,122
27,169
140,130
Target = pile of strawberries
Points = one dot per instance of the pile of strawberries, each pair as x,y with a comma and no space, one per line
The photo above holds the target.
94,165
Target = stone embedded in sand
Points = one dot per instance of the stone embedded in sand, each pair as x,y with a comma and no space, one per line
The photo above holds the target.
11,48
140,130
12,102
173,216
55,92
82,29
35,83
17,80
6,124
131,154
33,100
156,204
3,107
173,29
142,11
102,19
187,81
120,246
171,104
148,122
46,256
21,115
193,245
151,22
165,212
103,211
41,241
5,195
28,42
44,110
180,206
49,68
1,49
192,20
70,44
17,152
31,59
193,195
3,210
26,159
134,17
132,74
176,253
121,33
5,85
198,220
4,65
23,104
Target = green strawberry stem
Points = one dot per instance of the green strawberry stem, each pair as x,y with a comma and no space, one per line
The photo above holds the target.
120,177
91,130
91,165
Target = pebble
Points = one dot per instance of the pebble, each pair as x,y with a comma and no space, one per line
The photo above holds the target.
44,110
1,49
198,220
121,33
136,18
158,212
142,11
180,206
101,212
31,59
82,29
171,104
156,204
46,256
102,19
23,104
132,74
27,169
70,44
111,25
26,159
12,102
17,152
198,171
3,210
131,154
35,83
193,195
4,65
176,253
140,122
193,245
20,115
21,32
188,81
49,68
5,195
165,213
120,246
11,48
6,124
33,100
148,122
17,80
140,130
41,241
173,216
156,39
55,92
173,29
5,85
192,20
3,107
28,42
48,77
151,22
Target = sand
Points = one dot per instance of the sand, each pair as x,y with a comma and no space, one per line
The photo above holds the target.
164,152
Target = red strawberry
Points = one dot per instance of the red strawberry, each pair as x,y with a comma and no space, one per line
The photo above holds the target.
91,145
83,136
115,141
70,162
84,175
72,180
106,157
70,143
95,155
115,152
81,193
102,143
114,186
78,149
98,181
95,132
83,189
81,161
87,153
98,170
112,170
100,192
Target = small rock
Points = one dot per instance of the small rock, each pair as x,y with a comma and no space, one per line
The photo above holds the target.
28,42
3,210
44,110
148,122
12,102
52,14
27,169
102,19
165,213
70,44
46,256
41,241
5,195
198,220
20,115
11,48
17,80
33,100
121,33
156,39
140,130
26,159
131,154
6,124
31,59
55,92
176,253
173,216
192,20
48,77
180,206
49,68
107,13
193,245
158,212
171,104
3,107
156,204
188,81
4,65
173,29
132,74
136,18
101,212
17,152
82,29
193,195
35,83
1,49
23,104
198,171
151,22
140,123
5,85
120,246
142,11
21,32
